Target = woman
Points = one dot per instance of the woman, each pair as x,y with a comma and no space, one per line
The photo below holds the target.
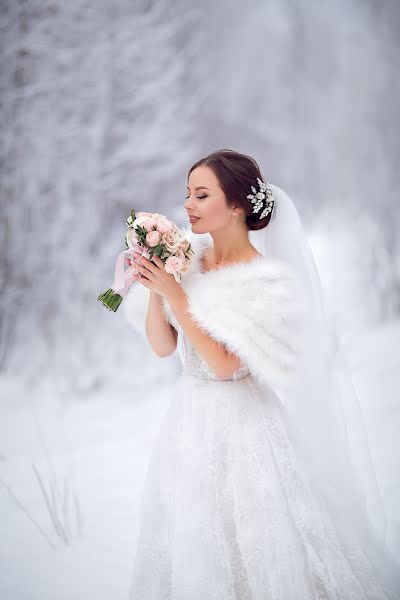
252,490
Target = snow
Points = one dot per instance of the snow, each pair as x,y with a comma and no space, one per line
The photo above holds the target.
84,543
105,106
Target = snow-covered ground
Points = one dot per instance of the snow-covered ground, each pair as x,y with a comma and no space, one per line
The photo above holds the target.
89,456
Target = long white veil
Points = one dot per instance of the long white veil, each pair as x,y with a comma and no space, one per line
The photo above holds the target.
324,408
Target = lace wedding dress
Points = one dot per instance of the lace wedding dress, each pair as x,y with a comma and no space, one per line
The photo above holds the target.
230,511
234,505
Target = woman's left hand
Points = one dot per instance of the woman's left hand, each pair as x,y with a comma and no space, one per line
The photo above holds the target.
151,274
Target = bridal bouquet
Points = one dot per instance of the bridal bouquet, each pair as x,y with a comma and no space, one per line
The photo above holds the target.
148,234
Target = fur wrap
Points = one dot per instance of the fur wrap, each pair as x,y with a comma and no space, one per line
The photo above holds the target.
255,309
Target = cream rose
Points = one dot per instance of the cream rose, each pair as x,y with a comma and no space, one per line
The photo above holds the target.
180,253
185,262
184,245
132,237
174,264
152,238
171,241
186,266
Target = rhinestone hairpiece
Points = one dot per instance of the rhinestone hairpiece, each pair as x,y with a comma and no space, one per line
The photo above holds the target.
258,197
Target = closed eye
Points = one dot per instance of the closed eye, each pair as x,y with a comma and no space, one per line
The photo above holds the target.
186,197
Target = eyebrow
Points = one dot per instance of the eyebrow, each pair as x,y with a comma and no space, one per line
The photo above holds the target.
199,187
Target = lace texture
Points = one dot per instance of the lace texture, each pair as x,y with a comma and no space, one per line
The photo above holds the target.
193,364
230,511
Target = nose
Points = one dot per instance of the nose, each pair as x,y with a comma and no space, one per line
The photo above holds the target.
187,202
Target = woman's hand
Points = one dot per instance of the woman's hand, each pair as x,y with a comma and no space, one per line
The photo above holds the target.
151,274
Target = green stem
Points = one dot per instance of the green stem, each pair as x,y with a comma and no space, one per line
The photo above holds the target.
110,299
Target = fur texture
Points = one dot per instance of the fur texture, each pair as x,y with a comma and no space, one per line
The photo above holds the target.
254,309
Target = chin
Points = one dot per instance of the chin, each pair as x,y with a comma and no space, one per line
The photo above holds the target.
196,227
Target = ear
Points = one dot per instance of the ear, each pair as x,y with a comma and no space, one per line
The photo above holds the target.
238,210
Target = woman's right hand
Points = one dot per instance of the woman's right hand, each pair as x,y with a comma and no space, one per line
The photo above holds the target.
134,260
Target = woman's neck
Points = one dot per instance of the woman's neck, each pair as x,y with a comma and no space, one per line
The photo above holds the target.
226,251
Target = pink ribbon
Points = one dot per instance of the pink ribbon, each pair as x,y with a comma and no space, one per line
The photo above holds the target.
124,278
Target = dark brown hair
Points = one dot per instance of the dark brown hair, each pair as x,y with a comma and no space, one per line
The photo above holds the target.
236,174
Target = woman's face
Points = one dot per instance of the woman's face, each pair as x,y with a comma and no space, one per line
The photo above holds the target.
206,200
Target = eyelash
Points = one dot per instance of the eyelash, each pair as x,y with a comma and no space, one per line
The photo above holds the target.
202,197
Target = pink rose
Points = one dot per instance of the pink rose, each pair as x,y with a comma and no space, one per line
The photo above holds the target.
173,264
186,262
184,245
171,240
186,266
180,253
163,225
152,238
145,221
149,223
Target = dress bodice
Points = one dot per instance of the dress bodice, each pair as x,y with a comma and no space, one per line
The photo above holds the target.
193,364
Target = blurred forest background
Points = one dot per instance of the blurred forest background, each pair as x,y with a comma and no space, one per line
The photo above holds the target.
104,107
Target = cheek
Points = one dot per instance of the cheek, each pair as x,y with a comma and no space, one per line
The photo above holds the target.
215,209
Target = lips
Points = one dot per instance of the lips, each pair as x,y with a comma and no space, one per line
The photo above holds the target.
193,219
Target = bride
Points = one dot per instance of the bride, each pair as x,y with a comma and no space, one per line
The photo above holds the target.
260,485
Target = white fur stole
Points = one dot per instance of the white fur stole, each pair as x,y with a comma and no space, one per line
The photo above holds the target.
255,309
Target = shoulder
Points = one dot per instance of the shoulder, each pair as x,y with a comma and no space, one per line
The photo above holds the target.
259,285
255,310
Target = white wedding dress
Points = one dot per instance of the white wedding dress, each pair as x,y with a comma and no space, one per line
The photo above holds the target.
249,492
230,512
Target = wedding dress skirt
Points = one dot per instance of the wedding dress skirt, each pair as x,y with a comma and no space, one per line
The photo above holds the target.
230,511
